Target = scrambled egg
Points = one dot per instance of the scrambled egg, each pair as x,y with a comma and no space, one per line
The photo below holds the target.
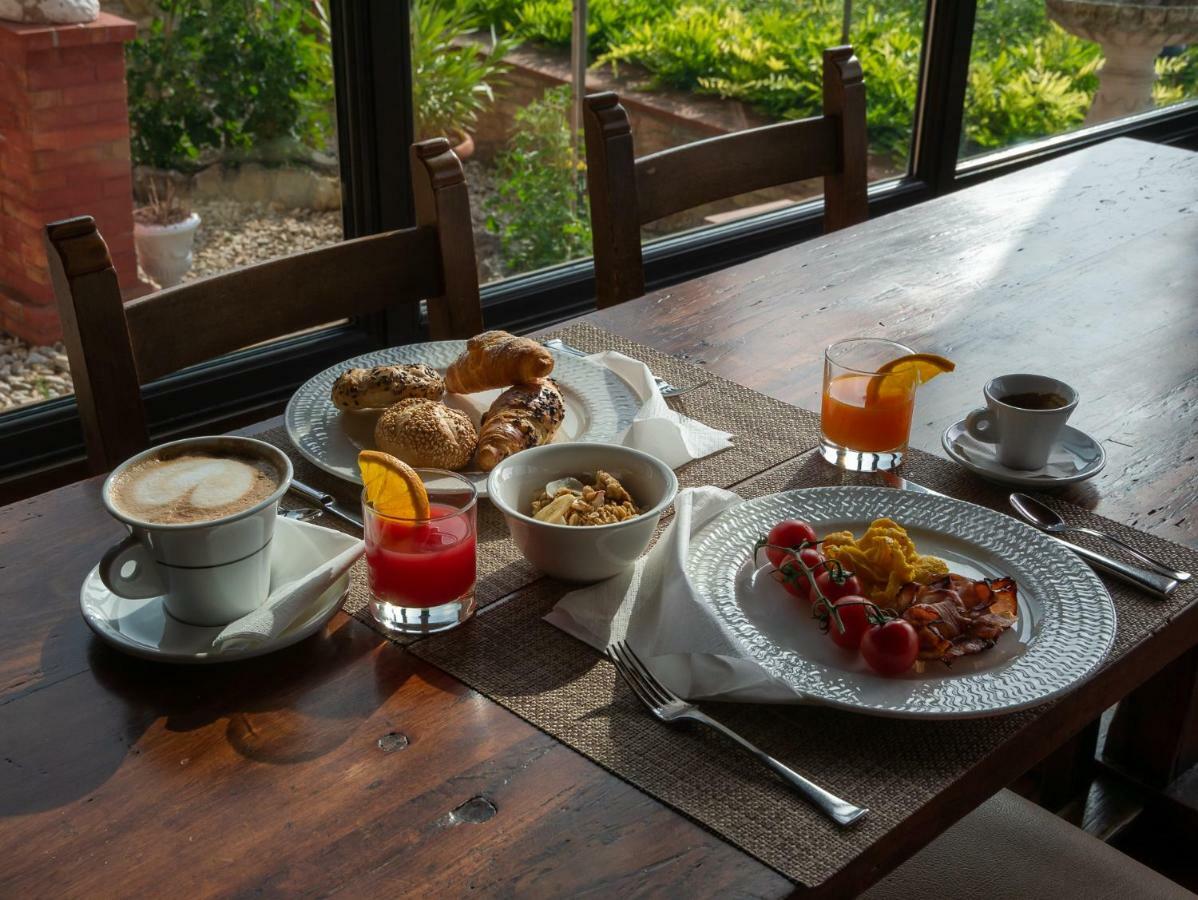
884,559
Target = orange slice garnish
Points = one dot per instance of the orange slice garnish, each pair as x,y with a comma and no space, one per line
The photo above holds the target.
899,376
392,486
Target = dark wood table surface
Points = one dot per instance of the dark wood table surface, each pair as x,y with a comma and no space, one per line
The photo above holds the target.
277,775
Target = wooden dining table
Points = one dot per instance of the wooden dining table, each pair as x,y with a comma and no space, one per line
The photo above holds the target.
344,764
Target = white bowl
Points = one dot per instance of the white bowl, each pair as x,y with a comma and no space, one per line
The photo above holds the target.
574,552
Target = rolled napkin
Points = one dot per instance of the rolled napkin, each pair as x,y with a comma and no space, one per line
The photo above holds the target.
306,560
1062,462
666,621
667,434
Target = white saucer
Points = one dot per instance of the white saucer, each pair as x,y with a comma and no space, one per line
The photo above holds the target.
1075,447
144,628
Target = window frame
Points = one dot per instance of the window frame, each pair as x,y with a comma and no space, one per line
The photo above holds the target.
41,445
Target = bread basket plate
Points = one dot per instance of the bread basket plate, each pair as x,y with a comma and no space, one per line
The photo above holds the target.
1066,623
599,405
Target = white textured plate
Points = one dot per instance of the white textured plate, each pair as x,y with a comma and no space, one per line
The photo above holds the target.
599,405
1066,618
1088,455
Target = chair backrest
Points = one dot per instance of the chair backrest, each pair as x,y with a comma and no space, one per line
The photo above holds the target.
116,347
626,192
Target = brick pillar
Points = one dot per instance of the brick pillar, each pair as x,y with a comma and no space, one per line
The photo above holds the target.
64,151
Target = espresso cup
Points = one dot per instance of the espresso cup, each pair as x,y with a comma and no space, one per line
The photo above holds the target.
1024,436
208,572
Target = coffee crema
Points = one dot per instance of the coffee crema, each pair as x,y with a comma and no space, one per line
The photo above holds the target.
1035,400
195,486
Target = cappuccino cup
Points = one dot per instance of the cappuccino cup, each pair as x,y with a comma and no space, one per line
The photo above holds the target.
1023,418
201,516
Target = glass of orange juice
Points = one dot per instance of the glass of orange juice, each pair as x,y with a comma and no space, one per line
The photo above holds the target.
865,418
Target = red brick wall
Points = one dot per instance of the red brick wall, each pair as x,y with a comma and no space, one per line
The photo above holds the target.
64,151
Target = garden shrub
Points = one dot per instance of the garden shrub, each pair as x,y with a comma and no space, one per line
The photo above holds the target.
1028,77
540,210
451,83
213,75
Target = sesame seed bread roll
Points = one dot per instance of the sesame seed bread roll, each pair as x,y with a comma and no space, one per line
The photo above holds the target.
496,359
379,387
523,416
426,433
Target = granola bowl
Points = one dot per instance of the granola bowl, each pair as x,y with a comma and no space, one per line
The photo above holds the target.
629,480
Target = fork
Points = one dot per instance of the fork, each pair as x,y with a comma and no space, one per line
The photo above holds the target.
667,389
669,707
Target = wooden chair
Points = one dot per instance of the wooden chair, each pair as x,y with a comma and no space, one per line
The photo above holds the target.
626,192
114,347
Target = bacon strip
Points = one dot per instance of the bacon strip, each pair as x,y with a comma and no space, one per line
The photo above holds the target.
956,616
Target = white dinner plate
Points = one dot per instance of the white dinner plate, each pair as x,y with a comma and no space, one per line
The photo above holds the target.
599,405
1065,628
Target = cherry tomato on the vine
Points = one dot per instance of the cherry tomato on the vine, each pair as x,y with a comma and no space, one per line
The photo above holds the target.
853,611
890,649
787,533
797,583
833,589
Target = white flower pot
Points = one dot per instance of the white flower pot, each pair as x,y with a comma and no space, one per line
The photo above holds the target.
164,251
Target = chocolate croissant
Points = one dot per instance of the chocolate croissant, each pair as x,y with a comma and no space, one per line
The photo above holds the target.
523,416
497,359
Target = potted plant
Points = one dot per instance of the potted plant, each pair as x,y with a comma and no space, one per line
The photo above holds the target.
164,231
451,79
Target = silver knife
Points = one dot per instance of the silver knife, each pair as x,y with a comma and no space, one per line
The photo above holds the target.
1153,582
327,501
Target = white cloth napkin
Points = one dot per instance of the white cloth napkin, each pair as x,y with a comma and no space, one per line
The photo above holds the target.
305,561
667,434
1062,462
667,622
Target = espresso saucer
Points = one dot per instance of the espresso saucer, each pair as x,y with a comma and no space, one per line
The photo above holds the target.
1075,457
144,628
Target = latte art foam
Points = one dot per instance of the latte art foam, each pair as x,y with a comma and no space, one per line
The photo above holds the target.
193,487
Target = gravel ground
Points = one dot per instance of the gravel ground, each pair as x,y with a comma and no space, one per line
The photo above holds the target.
231,234
235,234
31,374
486,245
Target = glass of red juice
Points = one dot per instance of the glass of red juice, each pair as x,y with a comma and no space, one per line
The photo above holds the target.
422,571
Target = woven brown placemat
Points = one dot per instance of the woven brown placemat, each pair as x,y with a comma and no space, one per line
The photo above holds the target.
766,432
891,766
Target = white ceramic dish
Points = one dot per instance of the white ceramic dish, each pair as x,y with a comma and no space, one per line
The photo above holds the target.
599,405
581,553
1087,454
1066,618
144,628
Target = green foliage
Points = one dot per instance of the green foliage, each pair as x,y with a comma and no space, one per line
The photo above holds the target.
451,84
217,74
1030,88
539,211
549,21
1028,77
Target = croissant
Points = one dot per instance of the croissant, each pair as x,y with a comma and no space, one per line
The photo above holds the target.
496,359
523,416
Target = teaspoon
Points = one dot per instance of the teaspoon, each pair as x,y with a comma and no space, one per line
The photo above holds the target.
1048,520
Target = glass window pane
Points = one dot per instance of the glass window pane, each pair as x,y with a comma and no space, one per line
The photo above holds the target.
218,109
1044,67
685,70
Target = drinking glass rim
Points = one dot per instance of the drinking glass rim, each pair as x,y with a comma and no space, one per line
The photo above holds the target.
907,352
465,508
